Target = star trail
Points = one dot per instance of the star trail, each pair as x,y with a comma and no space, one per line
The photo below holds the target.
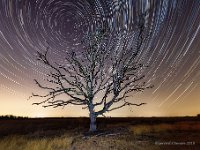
172,50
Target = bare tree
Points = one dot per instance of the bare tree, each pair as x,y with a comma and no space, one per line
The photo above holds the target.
101,77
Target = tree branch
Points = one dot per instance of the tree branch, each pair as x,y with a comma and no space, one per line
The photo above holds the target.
125,104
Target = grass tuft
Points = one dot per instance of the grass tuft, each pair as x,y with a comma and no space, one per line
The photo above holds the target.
24,143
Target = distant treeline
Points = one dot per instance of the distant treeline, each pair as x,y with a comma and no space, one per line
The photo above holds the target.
24,117
12,117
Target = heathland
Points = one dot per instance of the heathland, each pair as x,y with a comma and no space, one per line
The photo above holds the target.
155,133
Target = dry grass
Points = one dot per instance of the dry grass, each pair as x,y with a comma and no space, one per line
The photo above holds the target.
163,127
61,134
25,143
145,129
119,142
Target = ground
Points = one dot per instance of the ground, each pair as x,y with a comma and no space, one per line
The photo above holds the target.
178,133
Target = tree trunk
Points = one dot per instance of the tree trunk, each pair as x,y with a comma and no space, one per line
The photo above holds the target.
93,126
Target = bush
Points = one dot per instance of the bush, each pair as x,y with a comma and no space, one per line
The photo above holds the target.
12,117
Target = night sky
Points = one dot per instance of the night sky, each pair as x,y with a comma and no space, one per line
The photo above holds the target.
172,51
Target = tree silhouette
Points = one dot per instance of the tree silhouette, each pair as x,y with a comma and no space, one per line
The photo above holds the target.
102,77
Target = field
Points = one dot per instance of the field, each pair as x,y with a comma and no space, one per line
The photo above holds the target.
175,133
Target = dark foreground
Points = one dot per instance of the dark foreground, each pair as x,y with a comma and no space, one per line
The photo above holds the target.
178,133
